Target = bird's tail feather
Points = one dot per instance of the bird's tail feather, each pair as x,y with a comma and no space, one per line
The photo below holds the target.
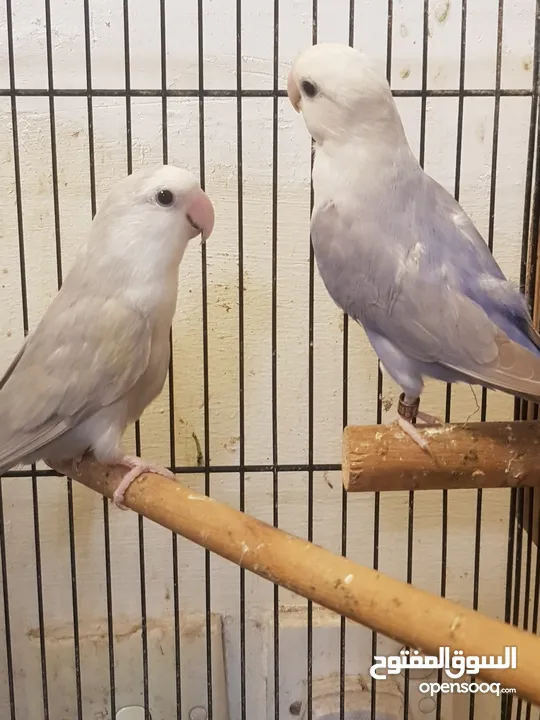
22,449
516,370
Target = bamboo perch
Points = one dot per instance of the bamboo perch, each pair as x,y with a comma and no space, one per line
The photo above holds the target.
477,455
398,610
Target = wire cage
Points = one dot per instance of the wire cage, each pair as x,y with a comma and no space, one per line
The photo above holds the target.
103,611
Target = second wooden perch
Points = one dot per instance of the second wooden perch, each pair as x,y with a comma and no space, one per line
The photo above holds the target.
475,455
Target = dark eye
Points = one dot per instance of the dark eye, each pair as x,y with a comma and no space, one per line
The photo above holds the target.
165,198
309,89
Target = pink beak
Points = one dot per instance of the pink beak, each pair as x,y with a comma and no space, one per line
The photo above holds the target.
200,213
293,92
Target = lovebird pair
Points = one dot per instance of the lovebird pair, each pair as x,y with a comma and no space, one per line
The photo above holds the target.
395,251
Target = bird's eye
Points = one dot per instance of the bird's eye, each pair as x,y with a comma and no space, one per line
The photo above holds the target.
165,198
309,89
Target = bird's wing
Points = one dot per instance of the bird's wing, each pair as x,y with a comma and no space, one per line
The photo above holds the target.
84,355
459,246
13,365
393,291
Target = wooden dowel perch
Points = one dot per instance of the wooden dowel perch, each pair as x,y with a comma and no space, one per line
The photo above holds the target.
399,611
475,455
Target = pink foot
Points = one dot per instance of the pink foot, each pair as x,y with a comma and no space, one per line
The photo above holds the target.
428,419
407,426
138,467
77,462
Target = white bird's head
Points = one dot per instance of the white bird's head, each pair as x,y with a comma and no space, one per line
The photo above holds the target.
153,213
341,95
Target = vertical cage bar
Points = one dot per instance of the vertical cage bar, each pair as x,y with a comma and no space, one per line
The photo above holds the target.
311,417
58,245
24,302
7,616
39,584
533,250
74,598
509,575
110,624
528,571
524,506
206,400
476,574
491,232
530,250
344,498
444,561
377,496
529,282
517,581
93,207
241,352
421,159
448,404
459,146
138,449
172,424
54,154
5,588
536,608
275,473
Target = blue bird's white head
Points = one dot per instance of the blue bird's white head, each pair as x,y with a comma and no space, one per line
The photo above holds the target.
340,94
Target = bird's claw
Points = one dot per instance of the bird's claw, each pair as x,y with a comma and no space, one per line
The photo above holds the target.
413,433
428,419
76,464
406,413
137,468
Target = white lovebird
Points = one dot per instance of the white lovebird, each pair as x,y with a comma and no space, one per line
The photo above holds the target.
100,354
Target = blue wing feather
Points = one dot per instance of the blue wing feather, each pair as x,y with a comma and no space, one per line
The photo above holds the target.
457,243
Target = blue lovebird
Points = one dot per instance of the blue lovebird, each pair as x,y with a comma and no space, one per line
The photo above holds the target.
394,249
